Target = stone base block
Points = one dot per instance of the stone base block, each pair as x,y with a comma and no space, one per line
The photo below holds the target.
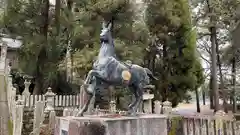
147,124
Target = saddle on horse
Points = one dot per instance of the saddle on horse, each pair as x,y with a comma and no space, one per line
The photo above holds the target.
128,63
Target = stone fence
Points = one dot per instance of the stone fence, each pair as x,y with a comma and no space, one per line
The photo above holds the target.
197,123
8,94
167,123
59,101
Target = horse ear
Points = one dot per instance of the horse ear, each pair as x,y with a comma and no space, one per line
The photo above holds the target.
103,25
109,26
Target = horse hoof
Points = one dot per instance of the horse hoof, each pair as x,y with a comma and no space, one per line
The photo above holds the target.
79,115
130,112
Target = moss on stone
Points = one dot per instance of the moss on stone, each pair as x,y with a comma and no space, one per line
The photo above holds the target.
10,127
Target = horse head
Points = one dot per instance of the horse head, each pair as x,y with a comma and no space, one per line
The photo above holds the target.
105,35
107,44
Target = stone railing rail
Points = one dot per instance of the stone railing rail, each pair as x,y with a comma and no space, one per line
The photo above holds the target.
59,100
6,89
197,124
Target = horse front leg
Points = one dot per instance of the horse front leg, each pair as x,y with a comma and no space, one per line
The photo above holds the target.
86,104
88,78
96,73
90,87
87,83
90,93
90,102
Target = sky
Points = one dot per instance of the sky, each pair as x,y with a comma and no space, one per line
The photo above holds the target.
52,2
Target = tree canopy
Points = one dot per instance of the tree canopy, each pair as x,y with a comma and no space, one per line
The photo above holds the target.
160,37
169,23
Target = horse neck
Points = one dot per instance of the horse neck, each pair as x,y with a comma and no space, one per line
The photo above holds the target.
106,50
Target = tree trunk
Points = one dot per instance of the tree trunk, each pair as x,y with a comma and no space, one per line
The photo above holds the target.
197,101
57,15
214,70
165,74
204,97
118,104
42,56
212,29
211,95
45,21
233,97
153,53
69,57
224,93
37,88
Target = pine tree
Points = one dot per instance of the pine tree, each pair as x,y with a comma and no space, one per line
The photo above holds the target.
44,46
130,36
169,23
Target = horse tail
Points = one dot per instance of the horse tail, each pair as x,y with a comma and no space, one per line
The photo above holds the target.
150,74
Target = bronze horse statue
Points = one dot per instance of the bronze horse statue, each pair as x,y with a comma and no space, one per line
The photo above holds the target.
107,70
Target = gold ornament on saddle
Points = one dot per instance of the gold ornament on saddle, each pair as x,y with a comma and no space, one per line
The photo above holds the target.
126,75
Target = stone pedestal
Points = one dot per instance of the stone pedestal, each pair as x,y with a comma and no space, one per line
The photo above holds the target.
118,125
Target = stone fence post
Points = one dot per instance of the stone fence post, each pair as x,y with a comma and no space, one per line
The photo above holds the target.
49,96
3,56
38,118
219,115
113,107
52,117
167,107
49,109
26,92
66,112
18,117
157,107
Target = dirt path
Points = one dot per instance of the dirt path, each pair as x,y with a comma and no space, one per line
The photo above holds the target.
191,109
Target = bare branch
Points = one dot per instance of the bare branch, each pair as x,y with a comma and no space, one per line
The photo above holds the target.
200,54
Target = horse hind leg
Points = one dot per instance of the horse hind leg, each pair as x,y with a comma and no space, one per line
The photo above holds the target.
135,104
133,100
139,97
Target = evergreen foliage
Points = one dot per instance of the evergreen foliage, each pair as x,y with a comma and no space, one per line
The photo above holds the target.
165,41
169,22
